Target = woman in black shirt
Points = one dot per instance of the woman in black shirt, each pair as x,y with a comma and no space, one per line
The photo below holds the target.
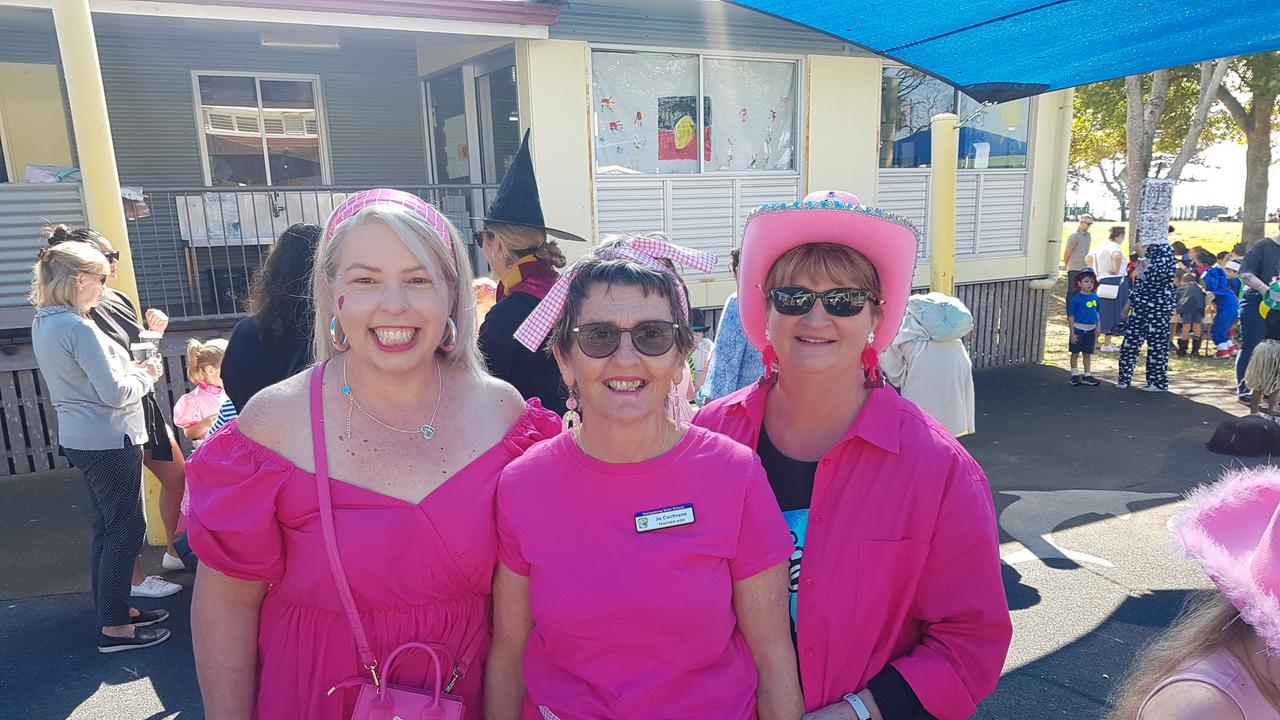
274,342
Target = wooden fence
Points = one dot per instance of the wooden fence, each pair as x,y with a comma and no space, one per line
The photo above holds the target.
27,418
1008,322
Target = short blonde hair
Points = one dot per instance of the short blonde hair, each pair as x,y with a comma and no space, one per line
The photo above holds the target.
834,263
204,354
518,241
434,252
53,277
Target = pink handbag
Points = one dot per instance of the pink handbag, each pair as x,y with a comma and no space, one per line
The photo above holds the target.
379,699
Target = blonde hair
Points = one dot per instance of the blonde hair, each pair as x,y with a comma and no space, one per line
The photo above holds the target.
1204,625
518,240
434,252
204,354
823,261
53,277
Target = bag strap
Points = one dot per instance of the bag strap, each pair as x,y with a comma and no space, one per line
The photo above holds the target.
326,522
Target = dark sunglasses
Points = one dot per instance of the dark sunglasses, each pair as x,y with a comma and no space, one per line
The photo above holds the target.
480,235
840,302
112,255
651,337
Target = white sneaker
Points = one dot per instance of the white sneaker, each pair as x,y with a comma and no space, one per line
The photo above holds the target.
153,587
1153,388
169,562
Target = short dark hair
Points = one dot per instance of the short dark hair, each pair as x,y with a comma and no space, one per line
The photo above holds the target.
1086,273
603,268
1224,254
1178,247
1116,231
1204,257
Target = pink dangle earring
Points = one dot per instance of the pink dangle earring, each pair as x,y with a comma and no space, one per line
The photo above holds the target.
572,419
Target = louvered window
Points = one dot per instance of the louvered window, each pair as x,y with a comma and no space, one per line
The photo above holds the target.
260,131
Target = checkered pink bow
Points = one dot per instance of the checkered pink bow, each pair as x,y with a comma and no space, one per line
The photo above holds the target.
395,198
642,249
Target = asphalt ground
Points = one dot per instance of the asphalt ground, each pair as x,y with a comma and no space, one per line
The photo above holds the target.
1083,478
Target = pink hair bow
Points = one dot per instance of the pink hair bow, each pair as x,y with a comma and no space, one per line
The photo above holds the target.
393,198
642,249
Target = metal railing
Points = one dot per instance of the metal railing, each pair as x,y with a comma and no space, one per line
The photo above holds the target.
198,251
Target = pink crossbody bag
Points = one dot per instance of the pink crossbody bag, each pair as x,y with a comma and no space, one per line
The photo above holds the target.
379,698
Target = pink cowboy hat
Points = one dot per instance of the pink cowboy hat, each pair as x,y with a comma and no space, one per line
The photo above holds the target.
887,240
1231,529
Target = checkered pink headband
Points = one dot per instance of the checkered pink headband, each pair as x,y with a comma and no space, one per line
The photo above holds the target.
397,199
643,249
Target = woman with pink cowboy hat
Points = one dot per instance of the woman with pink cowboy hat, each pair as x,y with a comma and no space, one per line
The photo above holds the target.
898,609
1221,658
379,466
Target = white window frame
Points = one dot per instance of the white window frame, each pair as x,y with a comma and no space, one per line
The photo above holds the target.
955,108
799,102
322,123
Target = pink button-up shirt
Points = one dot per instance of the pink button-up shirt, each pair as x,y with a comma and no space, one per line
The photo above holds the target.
901,561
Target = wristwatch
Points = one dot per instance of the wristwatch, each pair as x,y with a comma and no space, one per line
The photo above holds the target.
859,707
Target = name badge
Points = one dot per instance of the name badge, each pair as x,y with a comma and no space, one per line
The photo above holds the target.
666,517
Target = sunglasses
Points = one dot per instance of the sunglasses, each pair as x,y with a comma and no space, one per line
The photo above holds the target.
112,256
480,235
840,302
651,337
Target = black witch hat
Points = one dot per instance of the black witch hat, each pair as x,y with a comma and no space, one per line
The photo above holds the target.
517,201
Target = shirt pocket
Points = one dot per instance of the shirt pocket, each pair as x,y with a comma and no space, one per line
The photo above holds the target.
888,576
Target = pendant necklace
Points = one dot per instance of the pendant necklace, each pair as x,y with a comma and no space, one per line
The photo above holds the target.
427,431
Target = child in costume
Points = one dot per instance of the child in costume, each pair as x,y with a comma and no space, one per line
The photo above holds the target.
1263,373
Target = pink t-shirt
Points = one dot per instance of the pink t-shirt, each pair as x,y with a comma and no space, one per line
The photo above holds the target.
197,405
631,624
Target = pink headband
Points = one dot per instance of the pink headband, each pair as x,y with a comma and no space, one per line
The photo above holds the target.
643,249
397,199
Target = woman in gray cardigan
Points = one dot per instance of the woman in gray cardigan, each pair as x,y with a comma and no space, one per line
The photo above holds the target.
96,390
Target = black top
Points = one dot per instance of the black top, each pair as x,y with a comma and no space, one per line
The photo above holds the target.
115,316
792,483
791,480
1262,261
253,361
534,374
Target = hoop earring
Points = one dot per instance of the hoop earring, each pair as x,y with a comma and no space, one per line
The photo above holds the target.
333,336
572,419
450,341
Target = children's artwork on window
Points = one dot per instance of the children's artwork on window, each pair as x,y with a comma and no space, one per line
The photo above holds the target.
678,128
757,133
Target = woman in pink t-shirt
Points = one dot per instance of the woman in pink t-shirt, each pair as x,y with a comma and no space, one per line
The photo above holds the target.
642,561
898,605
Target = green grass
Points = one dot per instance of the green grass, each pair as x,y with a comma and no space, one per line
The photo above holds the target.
1212,236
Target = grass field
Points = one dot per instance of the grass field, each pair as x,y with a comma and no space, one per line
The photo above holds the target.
1213,236
1205,371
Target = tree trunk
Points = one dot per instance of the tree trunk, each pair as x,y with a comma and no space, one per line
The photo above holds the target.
1141,122
1257,161
1115,185
1211,74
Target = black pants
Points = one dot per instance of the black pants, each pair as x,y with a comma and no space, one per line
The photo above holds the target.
114,478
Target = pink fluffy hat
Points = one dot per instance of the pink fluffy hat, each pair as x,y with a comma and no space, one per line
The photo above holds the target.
889,241
1231,529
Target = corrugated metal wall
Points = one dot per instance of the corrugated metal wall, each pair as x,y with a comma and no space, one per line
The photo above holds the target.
692,24
990,207
24,210
26,36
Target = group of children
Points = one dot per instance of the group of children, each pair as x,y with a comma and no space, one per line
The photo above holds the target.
1200,276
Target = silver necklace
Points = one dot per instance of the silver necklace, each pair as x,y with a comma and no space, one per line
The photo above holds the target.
427,431
666,435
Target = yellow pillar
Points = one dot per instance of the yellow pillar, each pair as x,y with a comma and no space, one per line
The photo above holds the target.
101,179
942,203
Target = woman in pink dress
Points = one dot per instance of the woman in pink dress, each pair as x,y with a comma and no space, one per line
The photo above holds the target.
416,433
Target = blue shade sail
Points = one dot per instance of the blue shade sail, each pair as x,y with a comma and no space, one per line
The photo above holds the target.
999,50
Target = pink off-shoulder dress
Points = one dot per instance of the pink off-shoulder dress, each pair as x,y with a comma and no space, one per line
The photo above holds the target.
418,572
